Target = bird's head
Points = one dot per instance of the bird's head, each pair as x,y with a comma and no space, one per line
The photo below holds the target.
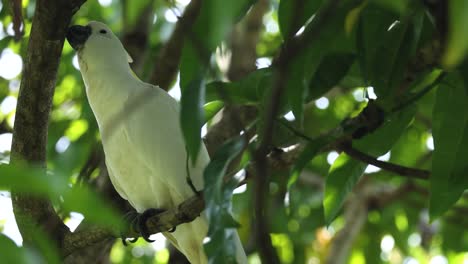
97,45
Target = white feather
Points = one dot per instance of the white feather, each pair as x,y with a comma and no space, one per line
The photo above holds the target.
143,143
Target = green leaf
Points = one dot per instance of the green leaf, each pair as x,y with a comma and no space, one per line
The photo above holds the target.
96,210
372,23
296,86
346,172
211,109
192,116
330,37
450,132
218,195
4,42
309,152
395,5
457,44
329,73
216,19
11,253
248,90
292,14
391,131
343,175
389,62
214,22
193,65
56,187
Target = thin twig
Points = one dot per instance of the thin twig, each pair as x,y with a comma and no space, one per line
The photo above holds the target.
388,166
419,94
358,155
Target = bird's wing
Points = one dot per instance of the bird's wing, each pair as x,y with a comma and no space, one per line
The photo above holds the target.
155,129
115,182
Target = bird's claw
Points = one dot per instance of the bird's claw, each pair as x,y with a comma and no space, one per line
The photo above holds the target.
141,224
130,218
138,223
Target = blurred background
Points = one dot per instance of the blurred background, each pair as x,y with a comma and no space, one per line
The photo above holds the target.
386,220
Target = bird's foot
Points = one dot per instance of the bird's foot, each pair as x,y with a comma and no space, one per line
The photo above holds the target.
141,224
137,222
131,220
192,186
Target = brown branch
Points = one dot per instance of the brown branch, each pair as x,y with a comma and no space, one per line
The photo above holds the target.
167,63
17,19
355,220
290,50
365,198
136,35
388,166
49,27
184,213
244,40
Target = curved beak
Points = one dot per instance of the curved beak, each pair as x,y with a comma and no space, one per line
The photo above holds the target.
77,36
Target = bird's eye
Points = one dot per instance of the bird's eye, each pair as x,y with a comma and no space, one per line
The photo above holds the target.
102,31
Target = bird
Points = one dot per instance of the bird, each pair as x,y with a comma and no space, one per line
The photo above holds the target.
144,149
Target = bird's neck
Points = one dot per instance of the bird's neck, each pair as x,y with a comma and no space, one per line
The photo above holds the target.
107,91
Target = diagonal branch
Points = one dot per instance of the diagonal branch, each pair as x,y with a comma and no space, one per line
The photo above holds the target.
388,166
167,63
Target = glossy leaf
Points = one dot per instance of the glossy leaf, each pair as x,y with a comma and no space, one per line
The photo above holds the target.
192,116
450,132
218,194
248,90
211,109
216,19
345,172
11,253
372,24
329,73
343,175
457,44
389,62
303,67
296,86
55,187
310,151
292,14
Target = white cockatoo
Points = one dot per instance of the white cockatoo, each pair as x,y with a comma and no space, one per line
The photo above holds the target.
141,135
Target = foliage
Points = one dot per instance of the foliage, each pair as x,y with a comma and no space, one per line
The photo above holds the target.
410,55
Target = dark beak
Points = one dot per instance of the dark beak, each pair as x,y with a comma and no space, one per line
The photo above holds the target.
77,36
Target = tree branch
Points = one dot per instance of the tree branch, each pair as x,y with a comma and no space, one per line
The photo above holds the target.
49,27
167,63
135,38
184,213
290,50
16,6
388,166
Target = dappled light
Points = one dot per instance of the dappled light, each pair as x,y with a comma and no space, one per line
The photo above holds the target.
337,131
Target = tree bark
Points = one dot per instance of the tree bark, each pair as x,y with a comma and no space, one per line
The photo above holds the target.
49,26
